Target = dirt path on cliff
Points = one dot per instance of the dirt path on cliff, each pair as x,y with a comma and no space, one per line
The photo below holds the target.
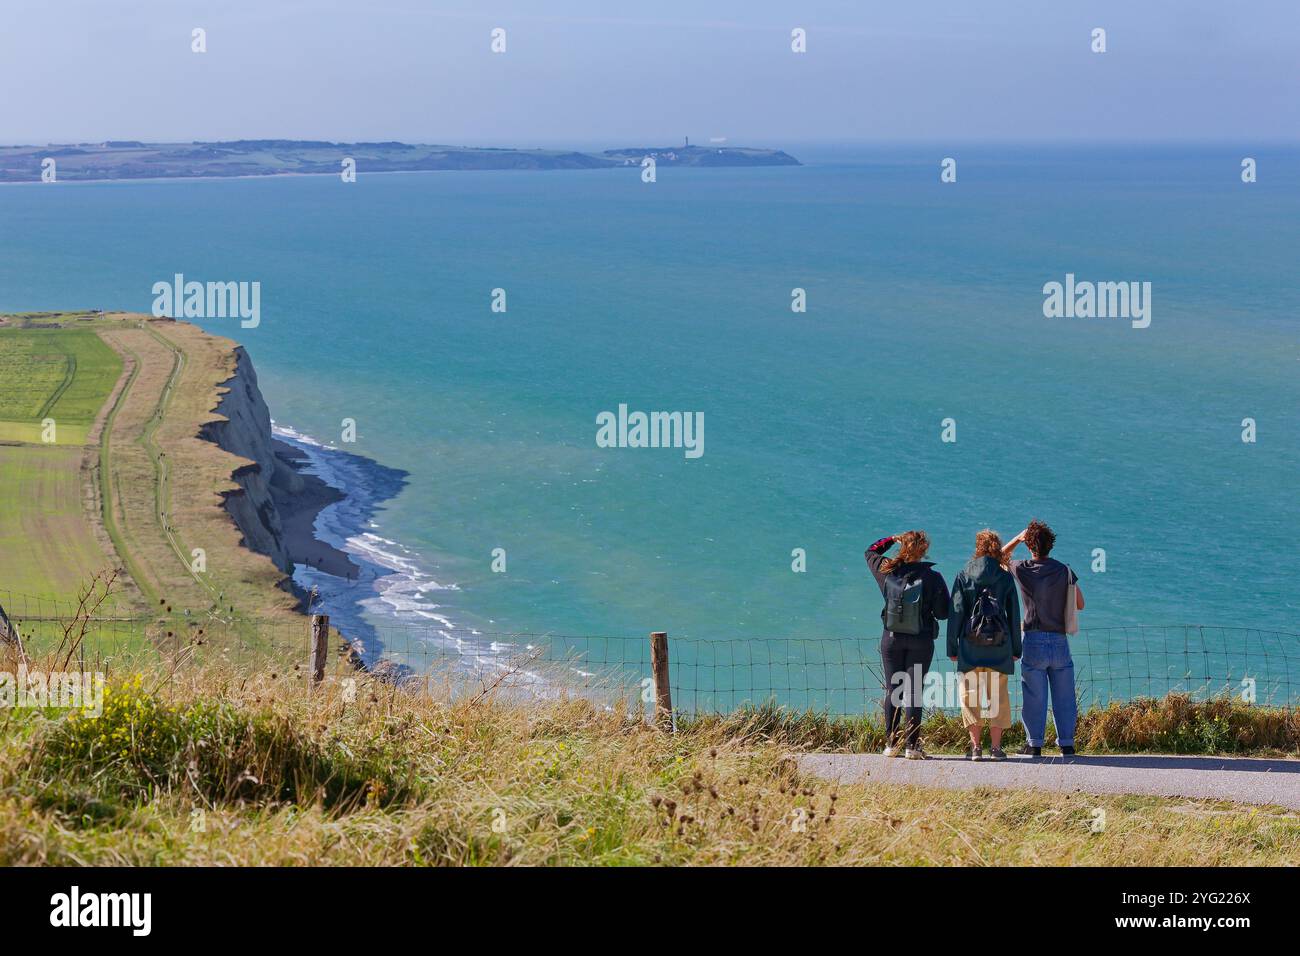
161,485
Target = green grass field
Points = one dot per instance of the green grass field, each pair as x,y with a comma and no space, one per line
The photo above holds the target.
59,374
127,483
47,546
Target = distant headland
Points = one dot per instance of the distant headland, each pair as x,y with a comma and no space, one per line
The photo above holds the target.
130,159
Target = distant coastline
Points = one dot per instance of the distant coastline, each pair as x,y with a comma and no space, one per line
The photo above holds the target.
116,160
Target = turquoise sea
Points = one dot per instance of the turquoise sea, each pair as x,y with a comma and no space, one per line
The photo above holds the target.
823,428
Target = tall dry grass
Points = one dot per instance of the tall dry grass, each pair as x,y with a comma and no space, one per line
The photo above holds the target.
216,766
1175,724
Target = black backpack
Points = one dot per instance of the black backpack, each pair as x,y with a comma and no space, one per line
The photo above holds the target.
903,604
987,625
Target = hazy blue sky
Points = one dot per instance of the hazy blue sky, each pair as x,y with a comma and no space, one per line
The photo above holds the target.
606,72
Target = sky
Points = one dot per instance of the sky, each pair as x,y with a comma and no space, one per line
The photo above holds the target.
620,72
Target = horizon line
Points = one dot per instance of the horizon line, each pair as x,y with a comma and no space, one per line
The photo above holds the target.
725,142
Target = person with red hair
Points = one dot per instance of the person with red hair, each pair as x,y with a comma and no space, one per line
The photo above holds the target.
984,641
916,600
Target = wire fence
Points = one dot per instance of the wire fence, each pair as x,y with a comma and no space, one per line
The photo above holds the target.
835,676
845,676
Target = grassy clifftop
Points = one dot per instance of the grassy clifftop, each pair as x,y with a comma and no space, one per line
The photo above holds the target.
127,482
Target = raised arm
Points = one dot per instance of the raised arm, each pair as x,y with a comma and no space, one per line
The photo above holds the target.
876,555
1009,548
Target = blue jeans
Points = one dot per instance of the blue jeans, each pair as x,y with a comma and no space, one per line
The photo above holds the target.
1045,663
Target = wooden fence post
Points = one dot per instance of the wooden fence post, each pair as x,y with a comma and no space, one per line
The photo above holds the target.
663,690
320,635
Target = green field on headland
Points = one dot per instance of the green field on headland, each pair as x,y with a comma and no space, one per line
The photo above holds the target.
58,375
47,548
126,481
55,381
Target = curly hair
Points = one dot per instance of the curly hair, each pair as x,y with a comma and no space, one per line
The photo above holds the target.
912,546
1040,538
988,544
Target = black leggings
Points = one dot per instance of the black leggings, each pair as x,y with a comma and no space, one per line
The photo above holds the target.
906,660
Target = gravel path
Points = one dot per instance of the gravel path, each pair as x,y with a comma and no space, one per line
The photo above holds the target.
1241,780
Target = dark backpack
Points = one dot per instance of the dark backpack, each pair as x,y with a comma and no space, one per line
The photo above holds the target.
903,604
987,625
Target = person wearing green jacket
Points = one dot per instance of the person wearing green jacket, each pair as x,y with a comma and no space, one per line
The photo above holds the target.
984,640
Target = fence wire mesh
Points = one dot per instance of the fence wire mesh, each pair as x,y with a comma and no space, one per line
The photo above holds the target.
838,676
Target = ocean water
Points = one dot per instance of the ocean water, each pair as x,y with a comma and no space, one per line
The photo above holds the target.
822,429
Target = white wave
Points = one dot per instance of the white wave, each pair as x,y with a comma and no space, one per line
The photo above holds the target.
293,435
394,585
401,589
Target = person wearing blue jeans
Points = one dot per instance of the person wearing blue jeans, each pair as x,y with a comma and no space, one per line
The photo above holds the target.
1046,666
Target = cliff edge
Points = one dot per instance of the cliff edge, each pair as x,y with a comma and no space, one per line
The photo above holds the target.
275,502
246,432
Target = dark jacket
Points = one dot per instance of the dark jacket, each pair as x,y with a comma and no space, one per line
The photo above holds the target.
981,573
934,591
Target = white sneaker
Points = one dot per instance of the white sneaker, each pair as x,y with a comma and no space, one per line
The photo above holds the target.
892,752
916,753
